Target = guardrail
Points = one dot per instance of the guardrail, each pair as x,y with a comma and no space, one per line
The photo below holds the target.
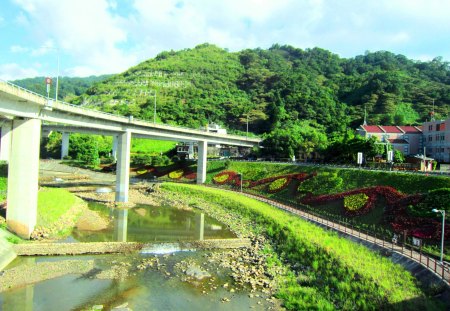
125,119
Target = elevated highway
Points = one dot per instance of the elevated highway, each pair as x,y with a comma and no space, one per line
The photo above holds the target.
22,114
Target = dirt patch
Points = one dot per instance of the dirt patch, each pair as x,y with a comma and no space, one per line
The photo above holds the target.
92,221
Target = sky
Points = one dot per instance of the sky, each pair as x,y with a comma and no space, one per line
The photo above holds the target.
93,37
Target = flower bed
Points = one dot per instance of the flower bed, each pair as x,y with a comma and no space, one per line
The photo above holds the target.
355,202
190,175
278,184
224,177
177,174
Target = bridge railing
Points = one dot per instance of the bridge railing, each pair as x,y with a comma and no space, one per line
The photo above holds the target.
125,119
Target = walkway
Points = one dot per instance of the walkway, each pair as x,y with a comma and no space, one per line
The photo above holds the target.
434,266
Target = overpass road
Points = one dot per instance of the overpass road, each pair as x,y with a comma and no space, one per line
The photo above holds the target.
22,114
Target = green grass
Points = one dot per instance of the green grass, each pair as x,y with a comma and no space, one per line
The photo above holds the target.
152,147
52,204
336,273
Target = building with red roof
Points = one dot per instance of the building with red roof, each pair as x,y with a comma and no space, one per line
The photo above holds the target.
406,139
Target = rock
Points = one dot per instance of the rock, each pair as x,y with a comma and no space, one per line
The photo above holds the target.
103,190
197,273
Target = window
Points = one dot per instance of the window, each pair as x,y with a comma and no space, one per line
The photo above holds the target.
430,138
437,137
430,127
438,127
406,150
442,137
406,137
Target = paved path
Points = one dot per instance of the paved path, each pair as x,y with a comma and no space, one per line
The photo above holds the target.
54,168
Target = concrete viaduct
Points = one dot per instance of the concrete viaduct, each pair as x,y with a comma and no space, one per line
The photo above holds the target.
22,113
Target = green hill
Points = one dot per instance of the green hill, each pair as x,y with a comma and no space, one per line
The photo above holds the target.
281,85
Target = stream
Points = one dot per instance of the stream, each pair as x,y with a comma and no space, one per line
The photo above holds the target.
156,280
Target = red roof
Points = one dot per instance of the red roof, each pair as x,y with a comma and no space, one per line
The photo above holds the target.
391,129
398,141
372,128
411,129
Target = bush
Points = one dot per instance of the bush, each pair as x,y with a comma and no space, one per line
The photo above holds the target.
438,199
355,202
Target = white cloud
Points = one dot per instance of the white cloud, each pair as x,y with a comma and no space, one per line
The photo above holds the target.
18,49
83,29
13,71
108,36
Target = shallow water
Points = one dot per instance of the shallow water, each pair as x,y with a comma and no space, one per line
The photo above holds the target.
145,223
163,287
150,289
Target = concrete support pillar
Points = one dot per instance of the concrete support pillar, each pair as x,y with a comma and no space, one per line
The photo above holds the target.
64,145
114,147
5,141
123,166
23,173
191,150
201,162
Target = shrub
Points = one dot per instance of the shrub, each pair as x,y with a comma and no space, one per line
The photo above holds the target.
176,174
355,202
278,184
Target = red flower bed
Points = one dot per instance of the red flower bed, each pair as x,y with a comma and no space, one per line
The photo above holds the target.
225,177
188,174
389,193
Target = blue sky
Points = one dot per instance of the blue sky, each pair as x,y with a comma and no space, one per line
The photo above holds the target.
92,37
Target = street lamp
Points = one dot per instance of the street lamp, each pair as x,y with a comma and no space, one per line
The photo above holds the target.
57,72
443,227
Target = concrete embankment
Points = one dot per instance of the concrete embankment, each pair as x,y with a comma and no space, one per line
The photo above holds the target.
7,254
49,249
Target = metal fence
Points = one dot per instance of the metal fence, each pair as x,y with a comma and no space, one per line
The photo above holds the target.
410,251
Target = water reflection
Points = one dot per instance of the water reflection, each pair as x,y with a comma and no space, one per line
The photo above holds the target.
151,223
120,225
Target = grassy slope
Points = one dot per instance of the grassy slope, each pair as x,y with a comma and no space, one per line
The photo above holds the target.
347,275
152,147
52,204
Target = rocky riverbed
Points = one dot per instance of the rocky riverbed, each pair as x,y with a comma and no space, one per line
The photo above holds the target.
235,270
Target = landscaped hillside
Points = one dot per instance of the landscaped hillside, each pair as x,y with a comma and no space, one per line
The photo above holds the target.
382,202
279,87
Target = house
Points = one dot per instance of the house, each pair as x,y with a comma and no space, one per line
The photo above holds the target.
436,139
406,139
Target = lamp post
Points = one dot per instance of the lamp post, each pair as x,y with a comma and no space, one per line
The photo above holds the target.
57,72
442,235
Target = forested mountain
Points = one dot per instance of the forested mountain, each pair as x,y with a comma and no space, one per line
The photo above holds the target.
68,87
276,87
301,99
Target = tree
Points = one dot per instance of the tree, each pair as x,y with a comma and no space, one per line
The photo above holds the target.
292,138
